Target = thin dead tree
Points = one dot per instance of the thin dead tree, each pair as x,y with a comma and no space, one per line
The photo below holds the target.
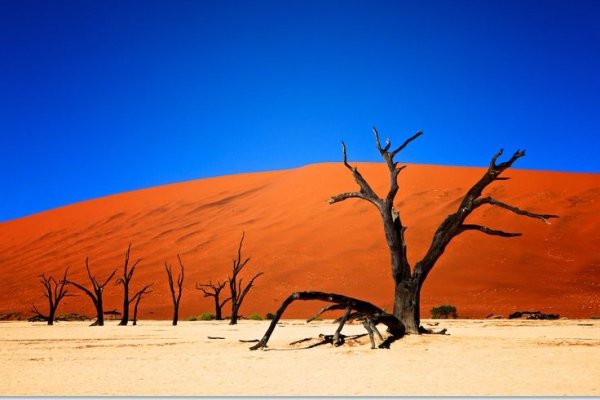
125,280
54,291
137,298
409,281
95,294
214,290
236,286
175,293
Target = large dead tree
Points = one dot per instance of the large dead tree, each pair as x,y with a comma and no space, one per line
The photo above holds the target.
54,291
409,281
125,280
214,290
137,298
175,292
236,286
95,294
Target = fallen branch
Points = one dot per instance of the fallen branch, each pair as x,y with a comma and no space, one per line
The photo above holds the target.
372,314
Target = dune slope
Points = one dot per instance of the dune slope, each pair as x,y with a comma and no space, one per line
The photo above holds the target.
301,242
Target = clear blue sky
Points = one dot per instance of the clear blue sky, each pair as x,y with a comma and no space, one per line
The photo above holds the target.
99,97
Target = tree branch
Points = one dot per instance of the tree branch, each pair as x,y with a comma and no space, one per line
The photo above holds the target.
395,327
406,142
492,201
325,309
489,231
453,225
349,195
365,188
247,288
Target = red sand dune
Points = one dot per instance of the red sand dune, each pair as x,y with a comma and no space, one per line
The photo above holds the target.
301,242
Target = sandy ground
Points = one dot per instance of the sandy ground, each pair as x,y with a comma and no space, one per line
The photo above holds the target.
479,357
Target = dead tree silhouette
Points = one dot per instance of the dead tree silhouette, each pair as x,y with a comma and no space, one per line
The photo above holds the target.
125,280
54,291
236,286
175,293
95,294
408,282
214,290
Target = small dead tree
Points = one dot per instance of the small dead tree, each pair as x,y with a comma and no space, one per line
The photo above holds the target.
408,282
54,291
95,294
214,290
353,309
236,287
125,280
137,298
175,294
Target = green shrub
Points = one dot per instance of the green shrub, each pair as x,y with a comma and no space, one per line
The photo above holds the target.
444,311
270,316
206,316
255,316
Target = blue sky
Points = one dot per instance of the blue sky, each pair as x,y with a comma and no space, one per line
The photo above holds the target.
99,97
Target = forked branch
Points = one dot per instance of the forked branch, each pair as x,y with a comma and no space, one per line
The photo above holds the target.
455,224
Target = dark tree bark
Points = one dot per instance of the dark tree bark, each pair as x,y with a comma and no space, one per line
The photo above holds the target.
175,293
137,298
409,281
95,294
54,291
371,314
214,290
125,280
236,287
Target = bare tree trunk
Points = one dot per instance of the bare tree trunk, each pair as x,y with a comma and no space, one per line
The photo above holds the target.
99,311
218,313
407,304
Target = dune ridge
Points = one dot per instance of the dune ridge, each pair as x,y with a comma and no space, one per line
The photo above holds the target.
301,242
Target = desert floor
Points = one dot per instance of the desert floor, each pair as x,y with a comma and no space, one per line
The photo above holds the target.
478,357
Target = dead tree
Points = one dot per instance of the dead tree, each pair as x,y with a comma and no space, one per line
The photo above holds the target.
137,298
54,291
236,287
371,314
214,290
409,281
125,280
95,294
175,294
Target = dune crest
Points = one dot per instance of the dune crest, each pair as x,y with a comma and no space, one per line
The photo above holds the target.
301,242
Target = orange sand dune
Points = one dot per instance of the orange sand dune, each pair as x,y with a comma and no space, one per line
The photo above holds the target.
301,242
